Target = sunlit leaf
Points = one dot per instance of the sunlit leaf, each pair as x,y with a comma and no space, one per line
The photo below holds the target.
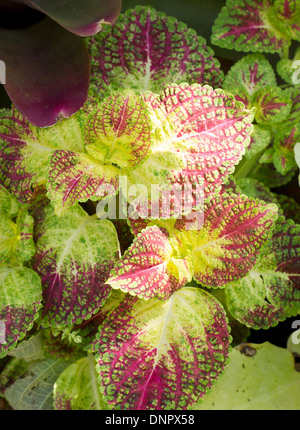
258,377
162,354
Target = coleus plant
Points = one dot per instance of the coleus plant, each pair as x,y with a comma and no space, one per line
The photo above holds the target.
141,240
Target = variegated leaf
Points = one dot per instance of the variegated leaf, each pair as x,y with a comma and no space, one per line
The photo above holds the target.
286,68
260,139
245,25
290,207
201,135
286,17
284,143
248,75
25,150
118,130
150,268
146,50
270,291
20,298
272,105
268,175
74,255
9,205
76,177
162,355
77,387
253,188
227,246
16,232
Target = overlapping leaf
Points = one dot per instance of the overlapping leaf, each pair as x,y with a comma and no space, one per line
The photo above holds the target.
26,150
268,175
202,135
117,135
256,25
287,134
14,369
9,205
252,81
146,50
248,75
286,17
270,292
150,268
260,139
74,255
34,391
20,298
288,69
272,105
16,232
231,232
253,188
290,207
190,136
227,247
284,143
76,177
77,387
119,130
162,354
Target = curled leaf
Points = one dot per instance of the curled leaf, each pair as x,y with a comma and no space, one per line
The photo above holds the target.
45,84
148,268
82,19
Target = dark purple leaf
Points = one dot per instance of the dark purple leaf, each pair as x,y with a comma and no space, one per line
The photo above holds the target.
80,17
39,58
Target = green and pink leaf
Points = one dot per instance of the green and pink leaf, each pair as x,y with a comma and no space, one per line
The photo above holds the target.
148,268
201,136
74,256
26,150
119,129
162,355
284,143
77,177
146,50
245,25
21,299
228,245
248,75
270,292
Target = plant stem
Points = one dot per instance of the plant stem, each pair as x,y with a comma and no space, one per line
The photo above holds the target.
246,166
285,53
